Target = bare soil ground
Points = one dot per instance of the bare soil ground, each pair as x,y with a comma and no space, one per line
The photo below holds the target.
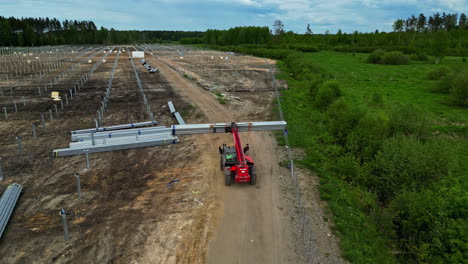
128,213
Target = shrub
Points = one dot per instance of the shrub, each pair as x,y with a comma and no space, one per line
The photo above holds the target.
419,57
445,84
314,85
406,163
438,73
459,90
300,66
394,58
430,224
376,56
305,48
408,120
367,137
327,93
342,118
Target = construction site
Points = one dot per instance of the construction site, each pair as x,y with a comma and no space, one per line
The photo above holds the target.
112,163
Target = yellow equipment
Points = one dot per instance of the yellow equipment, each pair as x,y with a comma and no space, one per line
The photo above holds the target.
55,96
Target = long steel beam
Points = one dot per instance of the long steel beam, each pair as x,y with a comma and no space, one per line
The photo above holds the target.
112,147
120,140
222,127
7,204
116,127
121,133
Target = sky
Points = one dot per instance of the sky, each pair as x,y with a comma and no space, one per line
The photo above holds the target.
193,15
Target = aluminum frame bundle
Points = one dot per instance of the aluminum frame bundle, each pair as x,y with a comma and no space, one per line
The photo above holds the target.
91,141
7,204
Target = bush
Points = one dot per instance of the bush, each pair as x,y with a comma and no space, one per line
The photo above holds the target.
394,58
459,90
406,163
376,56
300,66
367,137
327,93
438,73
314,85
419,57
409,120
342,118
305,48
445,84
430,224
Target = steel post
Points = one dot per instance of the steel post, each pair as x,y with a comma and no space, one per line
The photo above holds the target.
34,131
78,185
87,158
63,214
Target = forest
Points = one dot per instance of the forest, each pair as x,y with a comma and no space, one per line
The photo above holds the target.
46,31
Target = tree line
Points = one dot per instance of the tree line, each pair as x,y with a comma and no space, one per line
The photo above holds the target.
438,34
233,36
47,31
436,22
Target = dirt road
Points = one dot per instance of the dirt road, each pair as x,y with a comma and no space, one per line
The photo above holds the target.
249,224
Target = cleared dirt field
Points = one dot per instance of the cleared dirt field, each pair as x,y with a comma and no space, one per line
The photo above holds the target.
128,212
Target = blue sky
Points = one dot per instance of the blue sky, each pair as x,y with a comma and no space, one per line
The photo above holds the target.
362,15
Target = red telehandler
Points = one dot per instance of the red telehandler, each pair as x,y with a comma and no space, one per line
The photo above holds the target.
237,166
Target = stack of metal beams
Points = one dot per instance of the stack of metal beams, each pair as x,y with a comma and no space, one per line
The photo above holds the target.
100,140
7,204
117,137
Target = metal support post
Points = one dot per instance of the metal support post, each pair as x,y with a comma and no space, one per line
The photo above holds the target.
63,214
87,158
51,116
16,106
92,139
78,185
20,146
1,170
34,131
5,111
43,121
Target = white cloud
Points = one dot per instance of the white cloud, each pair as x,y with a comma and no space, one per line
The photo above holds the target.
349,15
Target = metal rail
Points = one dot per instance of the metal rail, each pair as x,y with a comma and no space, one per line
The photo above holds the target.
221,127
121,133
116,127
7,204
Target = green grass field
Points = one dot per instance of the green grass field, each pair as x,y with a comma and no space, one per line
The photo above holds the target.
397,83
402,84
